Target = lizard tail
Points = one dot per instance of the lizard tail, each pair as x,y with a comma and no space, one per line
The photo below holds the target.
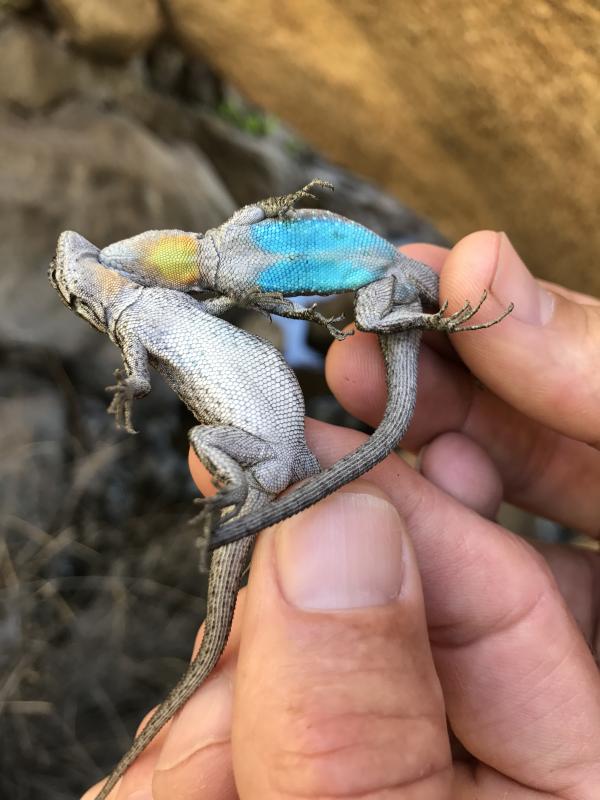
227,568
400,352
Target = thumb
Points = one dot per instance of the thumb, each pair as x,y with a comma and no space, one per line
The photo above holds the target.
336,691
542,359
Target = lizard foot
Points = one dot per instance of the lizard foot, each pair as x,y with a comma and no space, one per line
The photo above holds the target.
216,503
279,206
120,406
211,516
256,299
315,316
455,323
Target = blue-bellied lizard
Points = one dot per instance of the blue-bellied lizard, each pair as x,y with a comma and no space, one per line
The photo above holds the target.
240,388
268,251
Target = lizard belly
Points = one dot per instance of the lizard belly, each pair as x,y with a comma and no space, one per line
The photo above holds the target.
224,375
319,253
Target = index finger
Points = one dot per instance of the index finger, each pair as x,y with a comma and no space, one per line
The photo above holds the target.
543,358
542,469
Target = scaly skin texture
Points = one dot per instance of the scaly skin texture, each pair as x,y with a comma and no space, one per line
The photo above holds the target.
268,251
251,410
238,386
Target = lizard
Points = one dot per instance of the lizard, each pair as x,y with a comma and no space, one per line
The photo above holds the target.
268,251
241,390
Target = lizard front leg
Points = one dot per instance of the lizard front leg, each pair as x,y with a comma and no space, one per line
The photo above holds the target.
279,206
133,381
275,303
274,206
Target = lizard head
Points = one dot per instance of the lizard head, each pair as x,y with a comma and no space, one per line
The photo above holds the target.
168,258
78,278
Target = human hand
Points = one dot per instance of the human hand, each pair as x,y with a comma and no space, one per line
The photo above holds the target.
354,643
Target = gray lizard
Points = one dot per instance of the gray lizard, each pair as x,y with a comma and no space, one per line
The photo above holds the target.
269,251
238,386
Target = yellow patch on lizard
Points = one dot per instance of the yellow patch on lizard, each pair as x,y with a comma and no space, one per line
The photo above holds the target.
175,259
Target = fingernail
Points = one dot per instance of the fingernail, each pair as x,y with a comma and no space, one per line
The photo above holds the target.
345,552
514,283
205,720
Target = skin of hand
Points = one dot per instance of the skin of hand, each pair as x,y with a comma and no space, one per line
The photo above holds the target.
394,641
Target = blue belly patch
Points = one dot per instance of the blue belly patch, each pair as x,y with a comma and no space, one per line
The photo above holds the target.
320,256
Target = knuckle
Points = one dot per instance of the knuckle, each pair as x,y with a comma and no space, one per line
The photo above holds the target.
358,753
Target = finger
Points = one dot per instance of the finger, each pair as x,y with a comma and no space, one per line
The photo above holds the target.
138,778
334,667
92,792
507,651
543,358
200,475
462,469
541,470
570,294
195,760
434,256
431,254
576,570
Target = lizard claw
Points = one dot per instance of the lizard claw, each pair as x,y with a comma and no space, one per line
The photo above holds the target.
216,503
328,322
455,323
336,332
120,405
280,206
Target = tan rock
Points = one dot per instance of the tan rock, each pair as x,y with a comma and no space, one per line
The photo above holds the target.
477,113
114,28
34,70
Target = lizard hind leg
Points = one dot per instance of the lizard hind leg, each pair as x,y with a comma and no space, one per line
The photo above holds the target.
227,452
390,305
387,306
227,569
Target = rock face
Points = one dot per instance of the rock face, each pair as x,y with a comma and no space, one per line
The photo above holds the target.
111,27
477,114
102,175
